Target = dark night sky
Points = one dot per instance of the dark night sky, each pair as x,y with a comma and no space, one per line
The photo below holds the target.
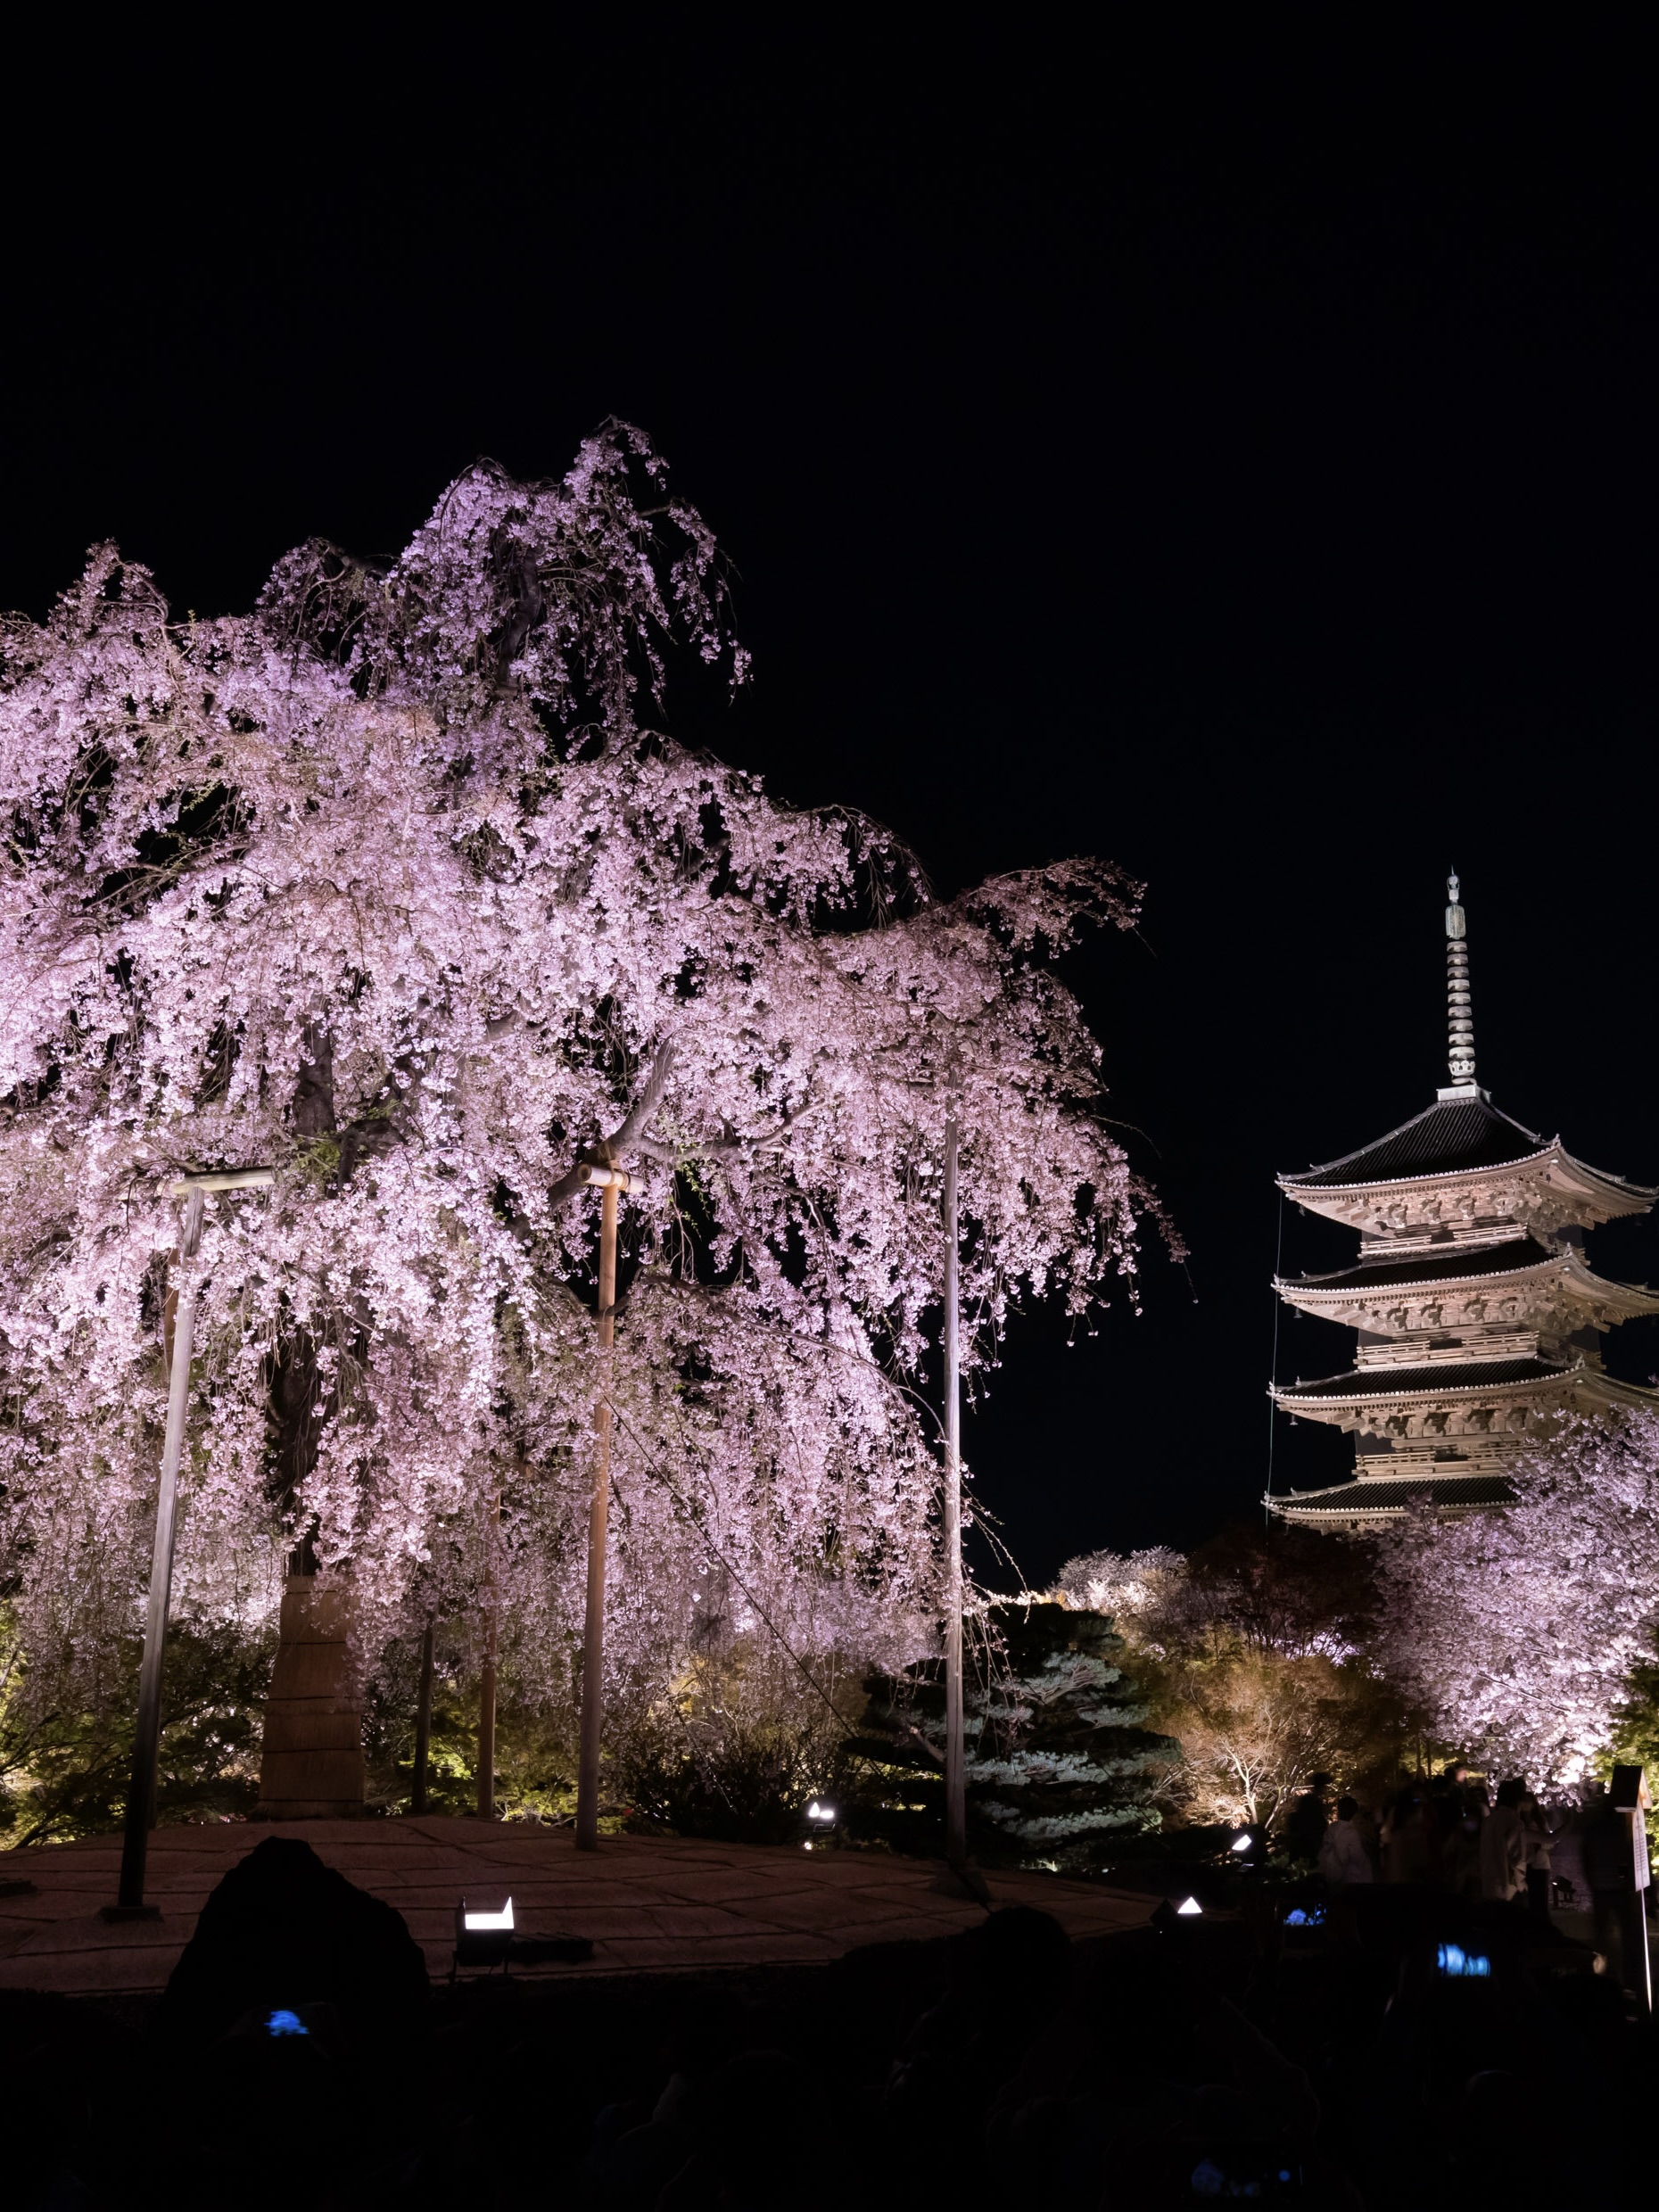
1234,459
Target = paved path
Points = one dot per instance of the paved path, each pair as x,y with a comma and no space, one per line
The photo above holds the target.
649,1906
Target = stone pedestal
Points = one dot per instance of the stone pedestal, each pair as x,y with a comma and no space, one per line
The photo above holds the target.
312,1765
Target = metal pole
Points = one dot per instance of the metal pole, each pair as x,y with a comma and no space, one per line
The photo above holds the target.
955,1807
486,1687
423,1725
147,1739
599,1518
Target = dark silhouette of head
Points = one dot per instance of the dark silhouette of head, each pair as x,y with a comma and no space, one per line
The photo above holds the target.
282,1931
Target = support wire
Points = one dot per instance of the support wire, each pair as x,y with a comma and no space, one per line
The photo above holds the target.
1273,1411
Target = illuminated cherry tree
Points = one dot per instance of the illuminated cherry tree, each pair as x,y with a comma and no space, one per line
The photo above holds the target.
1518,1630
386,886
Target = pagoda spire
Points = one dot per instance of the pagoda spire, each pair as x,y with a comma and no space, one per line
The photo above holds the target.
1459,1014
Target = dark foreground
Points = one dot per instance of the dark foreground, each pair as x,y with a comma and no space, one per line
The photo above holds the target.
1368,2060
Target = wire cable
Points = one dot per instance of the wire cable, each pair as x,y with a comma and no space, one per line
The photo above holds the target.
1278,1269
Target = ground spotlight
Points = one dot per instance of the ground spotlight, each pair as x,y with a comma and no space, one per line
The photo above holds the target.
481,1920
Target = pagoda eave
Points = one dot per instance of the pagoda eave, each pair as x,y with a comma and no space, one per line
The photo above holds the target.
1369,1404
1371,1501
1561,1280
1548,1184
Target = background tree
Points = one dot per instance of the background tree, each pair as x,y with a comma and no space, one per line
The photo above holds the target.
1061,1767
1520,1632
66,1755
1259,1656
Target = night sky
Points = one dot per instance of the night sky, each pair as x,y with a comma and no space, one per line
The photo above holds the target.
1237,461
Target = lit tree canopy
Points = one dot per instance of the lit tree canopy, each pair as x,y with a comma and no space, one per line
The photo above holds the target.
1519,1630
384,885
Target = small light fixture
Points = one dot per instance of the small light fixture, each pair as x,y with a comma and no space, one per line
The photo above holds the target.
816,1811
1242,1843
1189,1906
476,1922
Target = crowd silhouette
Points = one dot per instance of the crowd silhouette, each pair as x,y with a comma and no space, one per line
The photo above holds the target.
1411,2008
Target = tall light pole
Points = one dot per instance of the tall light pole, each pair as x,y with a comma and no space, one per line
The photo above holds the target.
486,1681
178,1325
611,1182
955,1806
423,1723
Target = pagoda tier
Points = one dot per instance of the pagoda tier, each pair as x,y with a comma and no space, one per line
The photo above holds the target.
1548,1292
1461,1171
1478,1316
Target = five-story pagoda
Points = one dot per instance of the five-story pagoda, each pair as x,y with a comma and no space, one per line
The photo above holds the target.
1479,1316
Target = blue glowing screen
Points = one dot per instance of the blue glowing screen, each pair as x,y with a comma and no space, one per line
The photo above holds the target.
1454,1959
282,2022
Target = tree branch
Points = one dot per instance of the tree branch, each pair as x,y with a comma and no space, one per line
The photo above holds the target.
626,1137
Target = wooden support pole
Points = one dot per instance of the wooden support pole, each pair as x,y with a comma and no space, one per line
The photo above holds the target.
178,1335
956,1805
423,1725
598,1522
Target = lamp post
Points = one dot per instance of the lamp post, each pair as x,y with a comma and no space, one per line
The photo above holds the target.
486,1684
611,1182
178,1322
423,1724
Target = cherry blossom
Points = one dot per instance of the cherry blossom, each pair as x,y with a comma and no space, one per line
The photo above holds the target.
387,885
1518,1630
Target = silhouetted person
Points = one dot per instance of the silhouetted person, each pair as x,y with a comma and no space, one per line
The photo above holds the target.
1343,1858
1453,1857
1304,1829
1408,1839
1615,1900
1460,1855
1008,1983
282,1930
1539,1844
752,2128
1503,1845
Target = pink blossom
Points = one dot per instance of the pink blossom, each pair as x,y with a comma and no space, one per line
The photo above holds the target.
384,886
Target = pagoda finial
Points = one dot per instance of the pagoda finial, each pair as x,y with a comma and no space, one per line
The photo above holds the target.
1459,1014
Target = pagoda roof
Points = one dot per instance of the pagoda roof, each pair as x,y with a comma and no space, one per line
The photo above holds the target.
1368,1495
1439,1263
1441,1379
1517,1261
1449,1137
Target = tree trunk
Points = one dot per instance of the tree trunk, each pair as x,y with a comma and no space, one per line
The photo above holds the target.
312,1763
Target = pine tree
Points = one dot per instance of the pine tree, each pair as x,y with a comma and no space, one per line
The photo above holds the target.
1059,1761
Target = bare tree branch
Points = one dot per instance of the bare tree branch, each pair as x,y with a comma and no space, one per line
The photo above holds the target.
626,1137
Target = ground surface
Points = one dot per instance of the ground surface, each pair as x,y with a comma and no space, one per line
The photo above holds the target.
648,1905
